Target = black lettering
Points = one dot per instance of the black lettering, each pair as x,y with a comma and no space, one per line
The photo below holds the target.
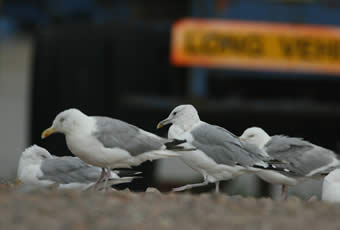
310,49
286,47
191,42
196,43
237,44
333,50
226,42
254,45
320,49
303,48
211,44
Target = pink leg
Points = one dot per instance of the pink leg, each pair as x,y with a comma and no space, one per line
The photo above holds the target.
217,187
107,177
284,192
100,178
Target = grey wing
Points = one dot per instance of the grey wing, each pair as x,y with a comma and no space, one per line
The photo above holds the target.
113,133
221,145
65,170
302,156
282,146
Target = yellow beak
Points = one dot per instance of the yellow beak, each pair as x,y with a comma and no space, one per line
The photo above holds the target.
47,132
160,125
17,181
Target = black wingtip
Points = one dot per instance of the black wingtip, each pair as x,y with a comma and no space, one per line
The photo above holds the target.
127,172
137,177
174,145
273,167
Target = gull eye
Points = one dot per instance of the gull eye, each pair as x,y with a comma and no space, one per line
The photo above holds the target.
43,156
62,119
251,136
174,113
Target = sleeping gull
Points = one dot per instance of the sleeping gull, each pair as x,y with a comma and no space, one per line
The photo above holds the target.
37,167
331,187
302,158
106,142
219,154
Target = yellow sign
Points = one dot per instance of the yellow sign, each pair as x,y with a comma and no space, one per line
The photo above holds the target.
265,46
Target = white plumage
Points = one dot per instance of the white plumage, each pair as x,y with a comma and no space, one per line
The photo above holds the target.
37,167
219,154
106,142
331,187
301,158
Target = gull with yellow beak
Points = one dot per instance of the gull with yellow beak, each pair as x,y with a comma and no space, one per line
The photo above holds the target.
106,142
219,154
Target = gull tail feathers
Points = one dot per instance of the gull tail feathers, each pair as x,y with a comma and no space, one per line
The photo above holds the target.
112,182
153,155
272,164
123,180
159,154
126,172
179,145
259,165
325,170
275,167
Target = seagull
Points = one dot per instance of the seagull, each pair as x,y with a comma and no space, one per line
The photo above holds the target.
217,153
106,142
301,158
37,167
331,187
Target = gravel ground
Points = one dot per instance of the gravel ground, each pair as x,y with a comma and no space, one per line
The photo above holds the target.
48,209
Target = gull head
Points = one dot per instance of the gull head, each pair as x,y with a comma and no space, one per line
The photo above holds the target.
35,154
255,136
32,157
67,122
183,116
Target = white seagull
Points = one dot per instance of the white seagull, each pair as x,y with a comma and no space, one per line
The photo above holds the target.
106,142
37,167
219,154
331,187
301,158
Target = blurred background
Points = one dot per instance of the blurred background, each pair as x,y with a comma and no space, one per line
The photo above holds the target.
111,57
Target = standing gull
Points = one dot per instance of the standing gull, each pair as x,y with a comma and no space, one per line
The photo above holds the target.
106,142
219,154
37,167
302,159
